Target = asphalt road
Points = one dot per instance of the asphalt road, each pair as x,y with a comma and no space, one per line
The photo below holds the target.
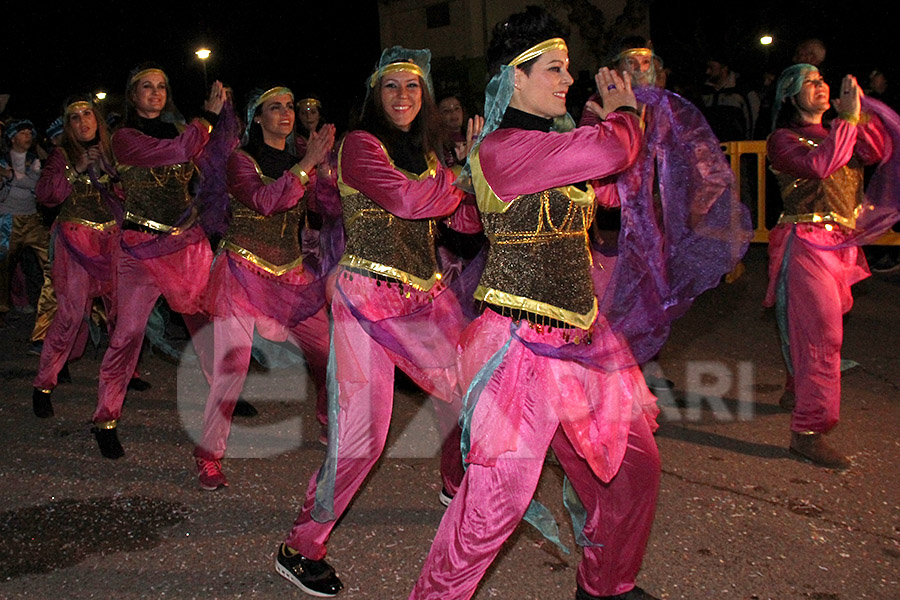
737,517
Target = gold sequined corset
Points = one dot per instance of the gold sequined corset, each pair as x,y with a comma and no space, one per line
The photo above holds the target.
270,242
84,205
384,244
539,260
835,199
158,194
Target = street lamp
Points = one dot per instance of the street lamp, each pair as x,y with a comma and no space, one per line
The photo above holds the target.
766,40
100,95
203,55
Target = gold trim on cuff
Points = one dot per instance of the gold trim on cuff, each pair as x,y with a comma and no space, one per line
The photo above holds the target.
303,175
277,270
512,301
106,424
423,285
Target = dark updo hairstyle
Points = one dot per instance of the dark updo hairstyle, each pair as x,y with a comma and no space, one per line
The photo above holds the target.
520,32
426,132
255,140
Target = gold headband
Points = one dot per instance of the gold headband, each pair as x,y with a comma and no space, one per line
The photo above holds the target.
138,76
309,102
78,106
269,94
635,52
409,67
538,49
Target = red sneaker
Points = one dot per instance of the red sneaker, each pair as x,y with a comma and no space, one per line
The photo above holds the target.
210,474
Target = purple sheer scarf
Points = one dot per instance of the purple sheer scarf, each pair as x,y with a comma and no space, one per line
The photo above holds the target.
683,228
97,266
287,303
392,332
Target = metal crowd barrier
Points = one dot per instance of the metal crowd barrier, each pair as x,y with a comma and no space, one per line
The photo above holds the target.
748,161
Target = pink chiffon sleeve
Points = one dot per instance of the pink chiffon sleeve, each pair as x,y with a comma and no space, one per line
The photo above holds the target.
791,155
871,140
366,167
518,162
137,149
53,187
246,185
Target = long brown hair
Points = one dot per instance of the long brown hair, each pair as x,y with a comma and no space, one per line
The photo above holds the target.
426,129
73,148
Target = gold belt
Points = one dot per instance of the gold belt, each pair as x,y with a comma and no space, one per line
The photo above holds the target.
277,270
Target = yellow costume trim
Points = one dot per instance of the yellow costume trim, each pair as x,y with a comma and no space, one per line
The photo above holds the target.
151,224
106,424
90,224
849,223
308,103
538,49
431,159
506,300
355,262
277,270
303,175
296,170
489,202
397,67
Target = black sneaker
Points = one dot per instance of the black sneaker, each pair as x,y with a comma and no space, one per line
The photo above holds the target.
108,440
635,593
244,409
40,403
35,348
315,577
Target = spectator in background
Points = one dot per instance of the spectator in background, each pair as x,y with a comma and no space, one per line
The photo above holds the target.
726,108
20,225
810,51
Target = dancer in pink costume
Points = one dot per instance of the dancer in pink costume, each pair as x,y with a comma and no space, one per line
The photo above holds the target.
310,119
538,297
164,250
84,237
259,279
390,306
813,251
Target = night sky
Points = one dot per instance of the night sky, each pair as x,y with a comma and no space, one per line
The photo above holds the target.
327,48
330,48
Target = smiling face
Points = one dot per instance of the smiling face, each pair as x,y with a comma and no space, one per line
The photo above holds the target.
150,94
543,91
276,118
83,123
401,98
309,116
814,96
451,113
